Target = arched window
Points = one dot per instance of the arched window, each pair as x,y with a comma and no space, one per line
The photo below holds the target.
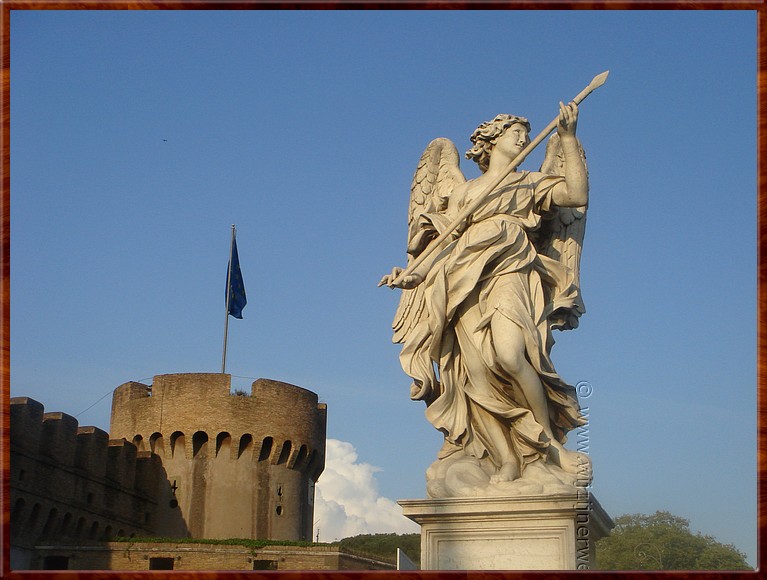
199,443
50,523
302,453
80,527
65,524
246,445
266,449
156,444
312,463
177,444
138,441
285,453
223,444
93,531
18,511
33,517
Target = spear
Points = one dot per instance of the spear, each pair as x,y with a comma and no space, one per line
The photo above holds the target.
595,83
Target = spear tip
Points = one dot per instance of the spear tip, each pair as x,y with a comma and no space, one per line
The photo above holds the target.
599,80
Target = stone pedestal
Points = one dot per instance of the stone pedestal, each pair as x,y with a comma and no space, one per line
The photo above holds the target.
509,533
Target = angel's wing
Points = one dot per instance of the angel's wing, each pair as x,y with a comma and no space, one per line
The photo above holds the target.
438,172
561,234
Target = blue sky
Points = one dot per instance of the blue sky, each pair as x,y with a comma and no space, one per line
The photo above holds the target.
138,138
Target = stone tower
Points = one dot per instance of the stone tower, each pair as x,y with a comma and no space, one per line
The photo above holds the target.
237,466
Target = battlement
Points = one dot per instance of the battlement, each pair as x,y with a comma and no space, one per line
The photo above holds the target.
87,452
282,423
26,423
183,387
185,457
72,483
240,465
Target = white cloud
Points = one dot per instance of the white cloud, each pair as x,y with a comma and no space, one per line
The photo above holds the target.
347,502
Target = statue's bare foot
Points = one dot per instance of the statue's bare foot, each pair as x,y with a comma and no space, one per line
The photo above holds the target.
509,471
572,462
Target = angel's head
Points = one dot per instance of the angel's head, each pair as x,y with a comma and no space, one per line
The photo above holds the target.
485,136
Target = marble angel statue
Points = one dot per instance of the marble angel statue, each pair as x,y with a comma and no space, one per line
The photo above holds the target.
475,318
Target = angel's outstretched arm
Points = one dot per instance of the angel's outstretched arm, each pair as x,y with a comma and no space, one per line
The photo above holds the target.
418,275
410,281
574,192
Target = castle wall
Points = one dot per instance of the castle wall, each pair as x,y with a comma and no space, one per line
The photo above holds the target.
72,484
193,556
238,465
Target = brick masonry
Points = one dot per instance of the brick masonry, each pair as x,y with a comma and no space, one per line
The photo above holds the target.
190,556
184,458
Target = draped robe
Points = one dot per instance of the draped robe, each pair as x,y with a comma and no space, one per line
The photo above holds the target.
489,269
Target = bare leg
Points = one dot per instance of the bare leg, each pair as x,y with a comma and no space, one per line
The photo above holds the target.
510,348
492,428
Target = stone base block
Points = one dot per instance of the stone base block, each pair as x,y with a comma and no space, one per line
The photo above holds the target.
509,533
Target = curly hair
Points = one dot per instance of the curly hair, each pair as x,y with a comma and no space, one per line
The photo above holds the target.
485,136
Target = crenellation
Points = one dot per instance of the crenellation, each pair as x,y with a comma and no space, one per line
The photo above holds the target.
184,458
91,451
189,386
74,484
26,423
210,441
59,437
134,390
121,462
148,470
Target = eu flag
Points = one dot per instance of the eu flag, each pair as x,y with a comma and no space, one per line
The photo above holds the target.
236,298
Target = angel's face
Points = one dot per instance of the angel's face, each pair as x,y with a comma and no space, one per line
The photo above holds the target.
513,140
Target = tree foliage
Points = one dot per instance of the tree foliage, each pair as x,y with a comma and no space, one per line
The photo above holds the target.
663,541
385,545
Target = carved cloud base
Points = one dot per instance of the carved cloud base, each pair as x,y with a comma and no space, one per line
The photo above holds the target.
556,532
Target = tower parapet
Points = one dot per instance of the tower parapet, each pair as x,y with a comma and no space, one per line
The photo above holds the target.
238,465
68,485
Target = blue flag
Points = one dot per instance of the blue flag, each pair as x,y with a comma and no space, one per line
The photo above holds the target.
236,290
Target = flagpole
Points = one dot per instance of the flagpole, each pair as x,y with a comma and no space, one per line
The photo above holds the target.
228,296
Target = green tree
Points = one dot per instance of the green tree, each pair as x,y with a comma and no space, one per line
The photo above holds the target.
385,545
663,541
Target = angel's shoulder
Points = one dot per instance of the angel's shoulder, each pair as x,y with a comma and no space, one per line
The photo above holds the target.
464,186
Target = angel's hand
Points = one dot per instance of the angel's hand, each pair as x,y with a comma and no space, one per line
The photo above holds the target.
568,119
409,281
